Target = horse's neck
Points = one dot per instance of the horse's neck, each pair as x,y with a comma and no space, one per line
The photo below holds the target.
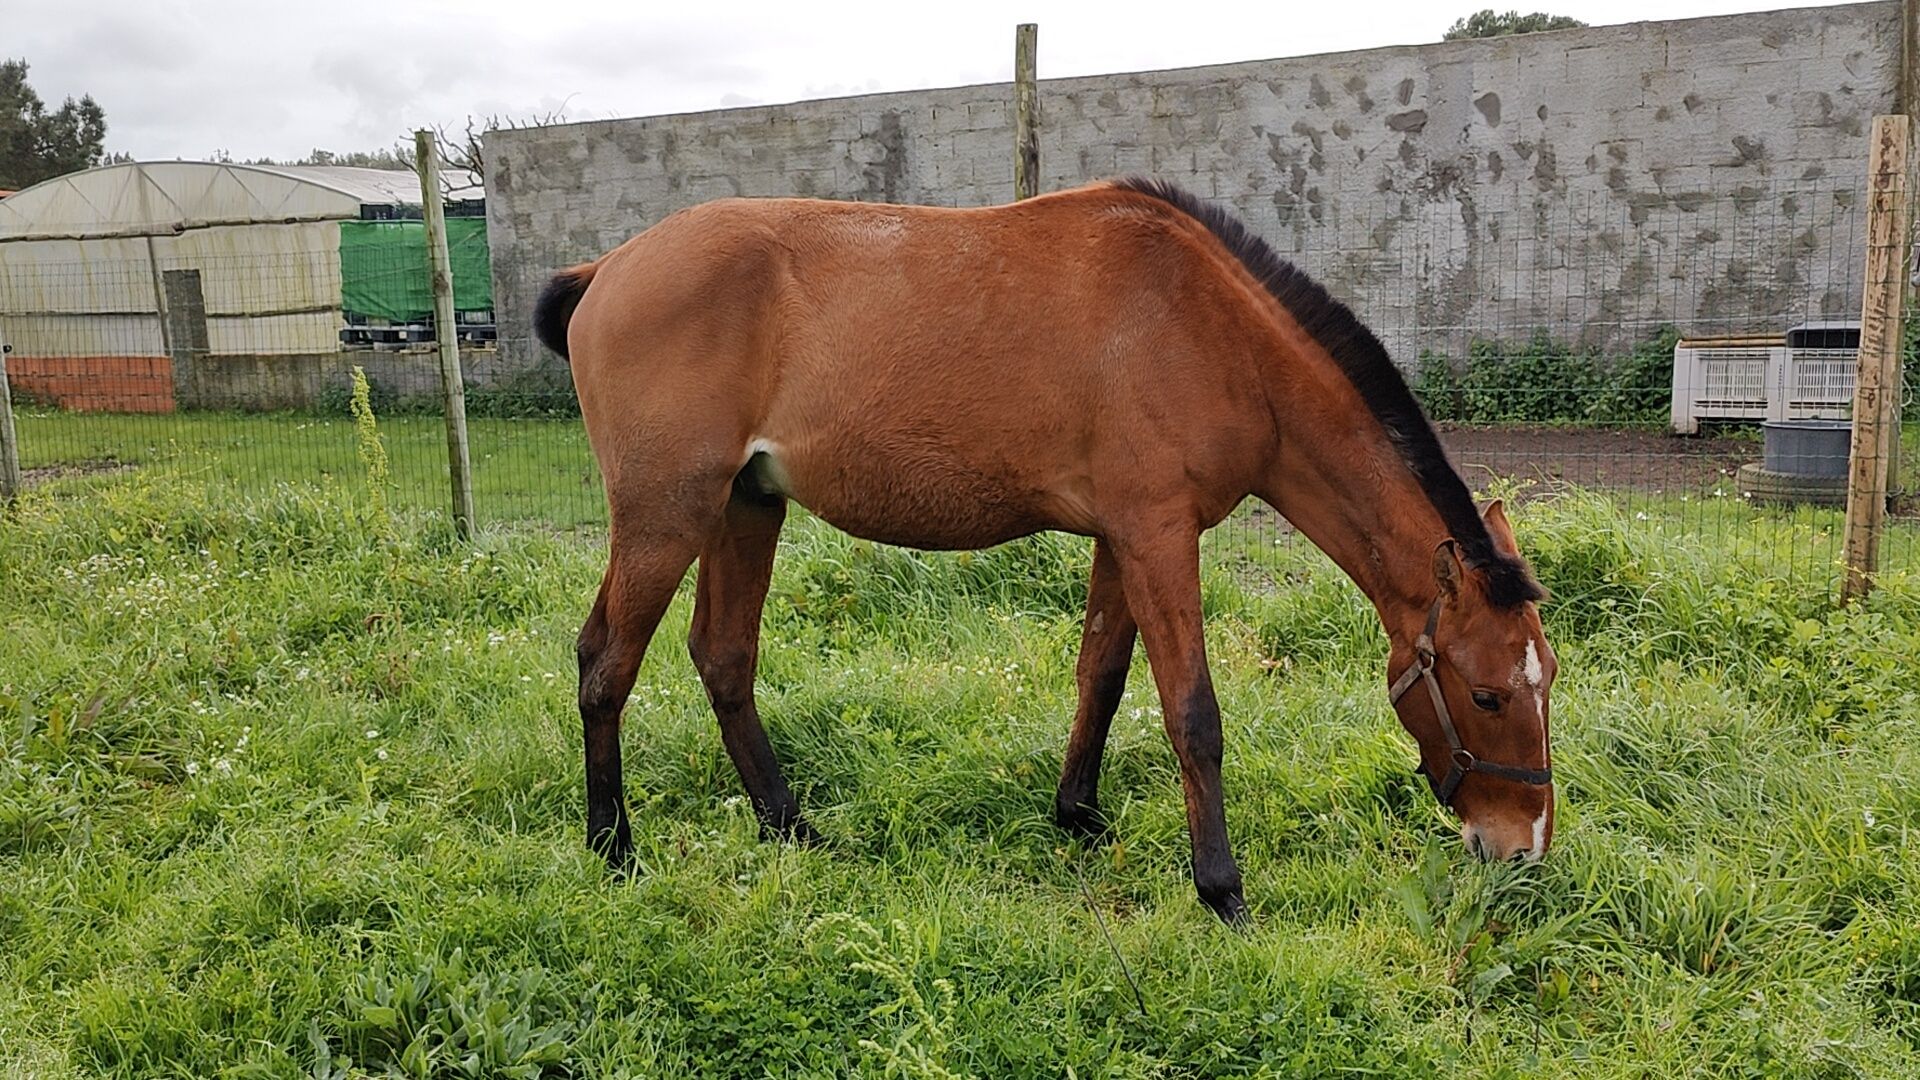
1345,487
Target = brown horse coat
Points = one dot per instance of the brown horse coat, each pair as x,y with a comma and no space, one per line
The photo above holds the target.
1118,361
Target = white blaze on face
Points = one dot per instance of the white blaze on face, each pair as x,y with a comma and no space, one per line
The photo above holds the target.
1536,677
1539,836
1529,672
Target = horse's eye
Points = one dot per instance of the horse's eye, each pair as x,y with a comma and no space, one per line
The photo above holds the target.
1487,700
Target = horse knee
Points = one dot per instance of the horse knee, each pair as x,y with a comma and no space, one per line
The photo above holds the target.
1195,731
598,698
601,694
1103,684
726,670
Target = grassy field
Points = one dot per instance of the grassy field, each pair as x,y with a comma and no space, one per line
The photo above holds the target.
285,792
540,473
522,469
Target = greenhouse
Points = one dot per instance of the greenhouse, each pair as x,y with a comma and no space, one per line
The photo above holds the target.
161,285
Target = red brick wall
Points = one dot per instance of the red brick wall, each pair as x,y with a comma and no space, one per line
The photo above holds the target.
135,384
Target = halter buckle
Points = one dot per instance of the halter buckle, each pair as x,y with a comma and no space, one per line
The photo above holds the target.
1424,654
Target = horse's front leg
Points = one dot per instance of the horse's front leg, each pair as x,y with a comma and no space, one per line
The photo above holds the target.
1160,569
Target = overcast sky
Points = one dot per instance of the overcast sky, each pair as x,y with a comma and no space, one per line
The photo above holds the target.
185,78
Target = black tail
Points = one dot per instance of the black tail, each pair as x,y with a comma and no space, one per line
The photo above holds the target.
554,310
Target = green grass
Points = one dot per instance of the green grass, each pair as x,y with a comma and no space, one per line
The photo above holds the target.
280,798
522,469
540,473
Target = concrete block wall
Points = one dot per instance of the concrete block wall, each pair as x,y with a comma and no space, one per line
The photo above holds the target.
1593,183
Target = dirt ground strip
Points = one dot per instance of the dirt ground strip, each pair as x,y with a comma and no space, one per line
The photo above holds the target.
1644,461
94,467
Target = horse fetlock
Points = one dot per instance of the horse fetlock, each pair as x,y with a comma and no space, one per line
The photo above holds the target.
788,826
612,842
1080,815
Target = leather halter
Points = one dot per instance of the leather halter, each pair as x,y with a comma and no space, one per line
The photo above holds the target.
1462,759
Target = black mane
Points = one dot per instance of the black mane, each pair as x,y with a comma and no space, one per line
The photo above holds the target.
1372,372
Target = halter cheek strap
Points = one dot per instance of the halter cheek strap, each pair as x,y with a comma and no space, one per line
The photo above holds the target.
1461,759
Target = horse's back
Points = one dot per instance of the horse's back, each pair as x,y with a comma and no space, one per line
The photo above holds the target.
938,377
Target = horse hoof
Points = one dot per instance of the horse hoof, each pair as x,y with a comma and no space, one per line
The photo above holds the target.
1081,819
616,847
1232,910
794,830
1224,894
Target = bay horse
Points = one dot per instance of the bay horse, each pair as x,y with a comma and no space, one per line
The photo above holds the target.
1122,361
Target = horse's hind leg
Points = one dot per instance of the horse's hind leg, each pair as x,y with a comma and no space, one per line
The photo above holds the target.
1106,652
735,568
639,584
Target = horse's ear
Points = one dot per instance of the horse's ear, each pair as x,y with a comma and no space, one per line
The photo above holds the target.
1495,515
1447,571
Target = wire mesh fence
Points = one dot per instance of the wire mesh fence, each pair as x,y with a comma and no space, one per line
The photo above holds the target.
1624,348
1636,348
234,368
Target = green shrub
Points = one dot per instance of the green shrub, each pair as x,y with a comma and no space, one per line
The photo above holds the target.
525,396
1544,381
338,401
522,399
1437,386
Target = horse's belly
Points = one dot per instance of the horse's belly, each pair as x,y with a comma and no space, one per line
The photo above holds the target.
913,501
919,518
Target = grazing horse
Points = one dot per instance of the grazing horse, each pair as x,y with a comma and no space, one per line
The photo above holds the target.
1121,361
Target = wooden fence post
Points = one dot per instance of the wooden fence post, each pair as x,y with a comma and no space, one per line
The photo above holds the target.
1876,389
9,441
1026,104
446,328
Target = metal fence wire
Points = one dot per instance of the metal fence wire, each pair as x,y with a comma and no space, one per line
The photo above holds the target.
1629,350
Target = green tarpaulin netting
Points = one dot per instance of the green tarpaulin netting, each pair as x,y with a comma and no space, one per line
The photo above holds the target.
384,273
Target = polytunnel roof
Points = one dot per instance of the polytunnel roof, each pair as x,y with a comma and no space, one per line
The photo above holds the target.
165,197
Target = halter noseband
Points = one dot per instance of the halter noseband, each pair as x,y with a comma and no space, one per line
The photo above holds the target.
1462,759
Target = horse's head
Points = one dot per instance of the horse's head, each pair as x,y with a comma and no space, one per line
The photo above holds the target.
1472,691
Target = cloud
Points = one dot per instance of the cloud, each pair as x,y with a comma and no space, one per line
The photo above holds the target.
642,53
133,47
182,79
